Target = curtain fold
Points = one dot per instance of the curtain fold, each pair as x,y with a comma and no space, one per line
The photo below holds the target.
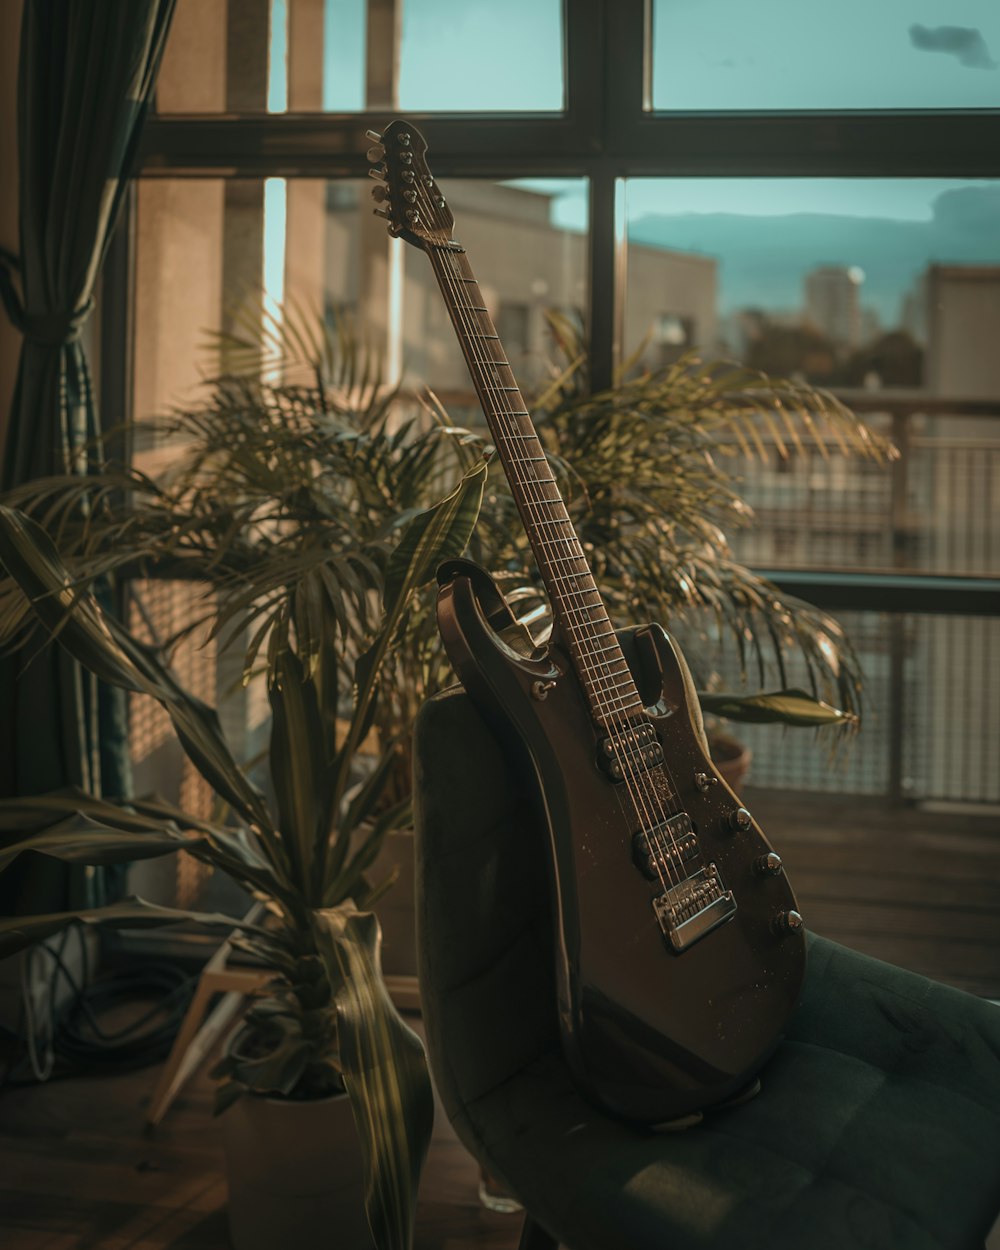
86,77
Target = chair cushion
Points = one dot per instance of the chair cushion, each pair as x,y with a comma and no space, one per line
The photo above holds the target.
878,1124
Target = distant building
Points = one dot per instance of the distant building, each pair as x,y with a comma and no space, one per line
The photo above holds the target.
529,267
833,303
962,311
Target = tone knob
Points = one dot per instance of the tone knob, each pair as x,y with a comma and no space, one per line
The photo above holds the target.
788,922
769,865
739,820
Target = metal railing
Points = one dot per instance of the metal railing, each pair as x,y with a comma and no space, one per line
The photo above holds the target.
906,556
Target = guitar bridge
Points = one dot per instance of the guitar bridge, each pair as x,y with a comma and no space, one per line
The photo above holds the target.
689,911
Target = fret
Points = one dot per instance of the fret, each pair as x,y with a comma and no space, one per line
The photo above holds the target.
558,521
620,685
495,337
576,594
565,577
564,559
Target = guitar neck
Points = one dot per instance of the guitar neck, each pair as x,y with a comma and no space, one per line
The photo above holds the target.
578,609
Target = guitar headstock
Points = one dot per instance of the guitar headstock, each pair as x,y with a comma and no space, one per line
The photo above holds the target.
406,193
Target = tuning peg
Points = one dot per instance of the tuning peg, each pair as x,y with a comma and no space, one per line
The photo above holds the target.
382,212
380,192
377,172
376,153
374,136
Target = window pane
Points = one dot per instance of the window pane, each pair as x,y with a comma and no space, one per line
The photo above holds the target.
809,54
259,56
836,279
888,292
526,241
482,55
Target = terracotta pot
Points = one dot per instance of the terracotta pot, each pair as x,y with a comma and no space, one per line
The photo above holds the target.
731,759
295,1174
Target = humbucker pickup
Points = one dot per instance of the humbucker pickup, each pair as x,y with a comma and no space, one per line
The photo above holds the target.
634,750
695,907
663,848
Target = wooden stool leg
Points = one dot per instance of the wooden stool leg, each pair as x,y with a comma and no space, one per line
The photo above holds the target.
534,1237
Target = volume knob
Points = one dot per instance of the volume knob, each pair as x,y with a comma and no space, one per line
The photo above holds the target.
788,922
769,865
739,820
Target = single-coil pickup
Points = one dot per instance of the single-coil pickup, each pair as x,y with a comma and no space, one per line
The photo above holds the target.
634,750
661,850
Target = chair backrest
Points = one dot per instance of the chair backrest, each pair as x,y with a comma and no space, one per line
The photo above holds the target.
483,927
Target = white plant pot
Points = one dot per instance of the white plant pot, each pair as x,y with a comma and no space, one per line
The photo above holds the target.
295,1175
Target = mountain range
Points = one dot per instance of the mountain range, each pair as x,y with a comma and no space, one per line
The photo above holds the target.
763,260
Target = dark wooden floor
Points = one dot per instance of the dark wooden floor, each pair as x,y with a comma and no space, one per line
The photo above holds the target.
77,1172
916,888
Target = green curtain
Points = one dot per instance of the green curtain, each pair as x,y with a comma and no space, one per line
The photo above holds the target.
86,76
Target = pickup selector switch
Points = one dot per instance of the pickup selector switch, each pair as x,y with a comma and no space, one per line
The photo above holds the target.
739,820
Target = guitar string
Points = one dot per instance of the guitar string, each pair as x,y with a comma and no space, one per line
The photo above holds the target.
613,715
641,796
644,797
463,308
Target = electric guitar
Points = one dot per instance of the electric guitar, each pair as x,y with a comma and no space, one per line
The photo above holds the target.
679,951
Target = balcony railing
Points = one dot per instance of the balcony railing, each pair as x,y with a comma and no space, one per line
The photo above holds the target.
906,556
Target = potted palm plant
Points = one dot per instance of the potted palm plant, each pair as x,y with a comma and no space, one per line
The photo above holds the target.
298,466
327,1027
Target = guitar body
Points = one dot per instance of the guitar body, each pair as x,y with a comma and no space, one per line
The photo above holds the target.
651,1032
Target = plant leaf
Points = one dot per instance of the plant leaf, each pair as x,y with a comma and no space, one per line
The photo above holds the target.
301,770
786,707
385,1072
104,647
18,932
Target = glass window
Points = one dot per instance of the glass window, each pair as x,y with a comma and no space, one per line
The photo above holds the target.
211,249
526,242
809,54
889,292
260,56
481,55
840,280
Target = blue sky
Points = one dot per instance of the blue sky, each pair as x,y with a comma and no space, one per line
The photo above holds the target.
707,54
731,54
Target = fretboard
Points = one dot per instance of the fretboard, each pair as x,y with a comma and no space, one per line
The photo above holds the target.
576,603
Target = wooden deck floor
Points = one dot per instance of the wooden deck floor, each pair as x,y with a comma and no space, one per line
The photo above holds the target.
77,1172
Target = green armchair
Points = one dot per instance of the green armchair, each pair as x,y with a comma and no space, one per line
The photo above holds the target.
877,1126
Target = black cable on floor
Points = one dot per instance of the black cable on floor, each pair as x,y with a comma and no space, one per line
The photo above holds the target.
77,1035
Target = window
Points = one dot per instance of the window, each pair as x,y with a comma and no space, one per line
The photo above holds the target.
808,189
809,54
